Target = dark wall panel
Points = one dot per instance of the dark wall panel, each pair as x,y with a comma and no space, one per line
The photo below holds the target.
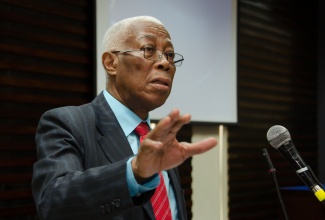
46,53
277,85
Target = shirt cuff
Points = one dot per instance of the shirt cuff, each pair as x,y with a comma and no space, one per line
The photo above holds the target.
135,188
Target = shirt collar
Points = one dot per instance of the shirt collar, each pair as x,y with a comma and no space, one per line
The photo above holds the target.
127,119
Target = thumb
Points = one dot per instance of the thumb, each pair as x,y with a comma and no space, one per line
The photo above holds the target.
200,146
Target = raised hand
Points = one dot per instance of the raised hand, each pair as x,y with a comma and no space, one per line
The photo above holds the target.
161,151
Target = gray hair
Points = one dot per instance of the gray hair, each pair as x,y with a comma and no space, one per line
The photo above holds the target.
114,36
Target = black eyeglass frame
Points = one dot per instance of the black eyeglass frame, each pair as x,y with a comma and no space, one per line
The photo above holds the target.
177,63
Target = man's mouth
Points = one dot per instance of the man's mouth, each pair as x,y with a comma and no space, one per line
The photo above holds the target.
161,82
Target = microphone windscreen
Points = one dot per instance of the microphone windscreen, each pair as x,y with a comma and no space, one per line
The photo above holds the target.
277,135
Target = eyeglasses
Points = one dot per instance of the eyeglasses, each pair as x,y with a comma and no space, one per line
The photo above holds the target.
150,53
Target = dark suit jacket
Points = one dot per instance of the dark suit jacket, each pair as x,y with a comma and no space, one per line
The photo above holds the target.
81,168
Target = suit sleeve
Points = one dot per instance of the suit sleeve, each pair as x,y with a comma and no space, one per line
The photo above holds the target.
62,188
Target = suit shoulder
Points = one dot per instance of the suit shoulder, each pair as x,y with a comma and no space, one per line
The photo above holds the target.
72,113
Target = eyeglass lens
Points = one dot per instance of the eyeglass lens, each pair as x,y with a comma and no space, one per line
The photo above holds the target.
153,54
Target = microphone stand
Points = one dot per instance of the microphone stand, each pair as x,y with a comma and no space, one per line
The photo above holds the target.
272,171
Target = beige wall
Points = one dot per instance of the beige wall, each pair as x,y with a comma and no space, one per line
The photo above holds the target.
210,177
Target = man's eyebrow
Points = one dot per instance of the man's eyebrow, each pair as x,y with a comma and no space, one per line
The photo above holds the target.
148,36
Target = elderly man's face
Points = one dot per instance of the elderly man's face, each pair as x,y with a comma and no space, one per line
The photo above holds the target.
143,85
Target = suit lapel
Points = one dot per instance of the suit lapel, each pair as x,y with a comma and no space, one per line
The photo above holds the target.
148,207
178,192
116,147
111,138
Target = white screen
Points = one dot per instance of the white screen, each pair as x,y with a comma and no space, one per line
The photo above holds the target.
204,32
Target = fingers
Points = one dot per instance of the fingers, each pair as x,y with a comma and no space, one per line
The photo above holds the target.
179,122
170,125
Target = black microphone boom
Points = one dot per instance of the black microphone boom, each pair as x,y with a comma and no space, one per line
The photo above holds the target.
279,138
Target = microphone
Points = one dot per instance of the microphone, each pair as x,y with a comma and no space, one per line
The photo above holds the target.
279,138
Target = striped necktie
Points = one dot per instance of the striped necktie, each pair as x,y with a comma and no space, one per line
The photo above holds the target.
159,200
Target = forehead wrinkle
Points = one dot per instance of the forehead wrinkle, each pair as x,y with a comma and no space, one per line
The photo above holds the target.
149,36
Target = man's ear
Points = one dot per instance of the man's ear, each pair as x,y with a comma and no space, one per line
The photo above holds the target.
109,62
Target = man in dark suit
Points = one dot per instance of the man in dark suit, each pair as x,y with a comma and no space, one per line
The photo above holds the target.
91,163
